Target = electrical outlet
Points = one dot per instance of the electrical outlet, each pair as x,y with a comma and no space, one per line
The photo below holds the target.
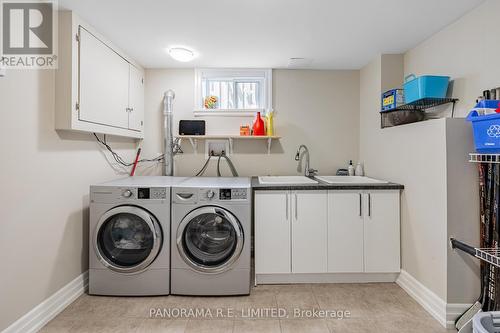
216,147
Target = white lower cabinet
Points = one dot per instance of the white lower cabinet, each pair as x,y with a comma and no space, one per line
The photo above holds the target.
345,232
290,232
363,232
382,232
272,232
319,231
309,231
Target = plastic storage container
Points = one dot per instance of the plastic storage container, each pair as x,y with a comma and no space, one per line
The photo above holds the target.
486,322
486,132
489,106
426,86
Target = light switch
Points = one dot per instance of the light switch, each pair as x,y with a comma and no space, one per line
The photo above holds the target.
3,71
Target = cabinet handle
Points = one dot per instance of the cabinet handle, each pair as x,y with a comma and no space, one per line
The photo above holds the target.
296,214
369,205
287,206
360,205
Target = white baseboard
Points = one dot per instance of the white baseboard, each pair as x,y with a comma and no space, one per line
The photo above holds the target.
444,313
44,312
287,278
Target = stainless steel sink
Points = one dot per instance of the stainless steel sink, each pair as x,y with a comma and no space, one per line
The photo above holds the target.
354,180
285,180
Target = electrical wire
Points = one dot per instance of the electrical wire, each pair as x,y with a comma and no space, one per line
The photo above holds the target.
119,159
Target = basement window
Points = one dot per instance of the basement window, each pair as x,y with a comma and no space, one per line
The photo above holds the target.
232,92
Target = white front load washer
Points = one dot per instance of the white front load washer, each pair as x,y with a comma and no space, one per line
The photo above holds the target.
129,237
210,237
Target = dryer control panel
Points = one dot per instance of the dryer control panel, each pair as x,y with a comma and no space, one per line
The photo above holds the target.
151,193
112,194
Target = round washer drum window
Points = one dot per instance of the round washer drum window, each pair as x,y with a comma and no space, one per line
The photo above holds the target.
125,240
209,239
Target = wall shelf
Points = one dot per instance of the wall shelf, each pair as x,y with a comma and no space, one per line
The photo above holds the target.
484,158
193,139
412,112
489,255
423,104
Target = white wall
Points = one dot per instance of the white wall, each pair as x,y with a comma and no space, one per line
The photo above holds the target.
410,155
467,50
45,178
440,196
46,174
316,108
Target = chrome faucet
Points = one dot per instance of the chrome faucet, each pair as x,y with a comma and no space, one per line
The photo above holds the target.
308,172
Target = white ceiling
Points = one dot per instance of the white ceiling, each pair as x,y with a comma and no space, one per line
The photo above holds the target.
336,34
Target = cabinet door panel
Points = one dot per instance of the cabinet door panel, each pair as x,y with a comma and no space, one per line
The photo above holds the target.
382,235
309,232
103,83
345,232
272,232
136,99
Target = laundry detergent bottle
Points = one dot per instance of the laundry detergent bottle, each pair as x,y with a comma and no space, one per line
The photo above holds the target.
258,126
270,123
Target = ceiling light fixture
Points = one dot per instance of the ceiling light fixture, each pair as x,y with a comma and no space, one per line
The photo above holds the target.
299,62
181,54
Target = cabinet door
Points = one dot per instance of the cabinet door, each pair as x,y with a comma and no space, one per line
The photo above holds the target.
103,83
345,232
272,232
136,99
382,236
309,231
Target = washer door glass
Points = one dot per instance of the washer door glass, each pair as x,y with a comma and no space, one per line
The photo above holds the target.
211,238
127,239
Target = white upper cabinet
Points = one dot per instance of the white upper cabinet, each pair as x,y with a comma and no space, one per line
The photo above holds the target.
98,88
136,98
104,83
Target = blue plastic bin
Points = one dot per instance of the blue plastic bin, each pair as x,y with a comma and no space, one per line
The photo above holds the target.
486,132
426,86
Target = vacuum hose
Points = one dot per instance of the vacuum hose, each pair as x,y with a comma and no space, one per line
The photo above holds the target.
168,135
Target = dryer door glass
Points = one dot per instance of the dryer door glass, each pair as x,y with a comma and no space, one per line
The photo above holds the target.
127,239
211,238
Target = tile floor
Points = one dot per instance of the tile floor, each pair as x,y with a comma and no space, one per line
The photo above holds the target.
377,307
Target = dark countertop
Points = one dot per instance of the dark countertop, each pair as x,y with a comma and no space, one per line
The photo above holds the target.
256,186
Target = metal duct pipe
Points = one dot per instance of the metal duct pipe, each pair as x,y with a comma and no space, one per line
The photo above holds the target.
168,135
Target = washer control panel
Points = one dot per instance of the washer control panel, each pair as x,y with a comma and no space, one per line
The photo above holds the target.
233,194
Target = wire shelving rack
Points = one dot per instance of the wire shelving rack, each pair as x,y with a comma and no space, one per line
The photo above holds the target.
489,255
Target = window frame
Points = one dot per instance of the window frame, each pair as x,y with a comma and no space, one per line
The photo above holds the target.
264,76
